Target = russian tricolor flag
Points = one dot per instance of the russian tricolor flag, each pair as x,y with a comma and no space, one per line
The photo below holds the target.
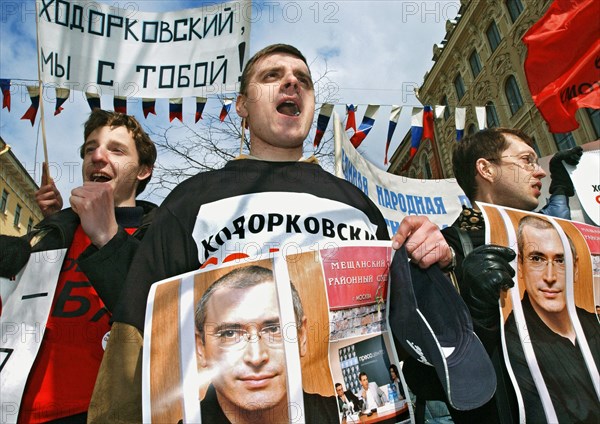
5,85
176,109
200,103
459,120
34,94
93,100
365,125
120,104
421,128
225,109
62,94
351,120
322,122
148,107
394,115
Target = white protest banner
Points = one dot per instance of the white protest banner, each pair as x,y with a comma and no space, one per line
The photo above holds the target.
90,46
586,180
440,200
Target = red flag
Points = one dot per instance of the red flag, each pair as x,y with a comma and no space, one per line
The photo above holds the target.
563,61
34,94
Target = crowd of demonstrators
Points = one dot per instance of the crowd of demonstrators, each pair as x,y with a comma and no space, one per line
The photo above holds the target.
497,166
100,232
277,101
115,267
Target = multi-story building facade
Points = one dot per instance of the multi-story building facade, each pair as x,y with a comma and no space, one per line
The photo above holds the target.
480,62
19,211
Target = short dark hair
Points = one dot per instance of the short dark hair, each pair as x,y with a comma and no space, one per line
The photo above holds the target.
242,278
487,144
361,374
144,145
541,224
267,51
338,385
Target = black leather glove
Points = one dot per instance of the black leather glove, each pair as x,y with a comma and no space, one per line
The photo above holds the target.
561,182
486,271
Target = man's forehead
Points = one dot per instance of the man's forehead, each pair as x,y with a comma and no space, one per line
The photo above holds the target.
540,239
517,145
275,59
243,302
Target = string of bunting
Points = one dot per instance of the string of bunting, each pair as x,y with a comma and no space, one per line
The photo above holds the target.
422,118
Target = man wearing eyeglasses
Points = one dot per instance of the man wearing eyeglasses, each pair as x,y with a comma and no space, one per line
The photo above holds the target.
239,338
557,350
497,166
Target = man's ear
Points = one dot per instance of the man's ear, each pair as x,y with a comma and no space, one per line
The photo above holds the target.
240,106
144,172
485,170
303,337
200,353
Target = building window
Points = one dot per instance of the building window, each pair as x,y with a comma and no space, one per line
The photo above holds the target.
594,115
475,63
513,95
459,85
564,141
536,148
29,225
471,129
4,201
491,115
17,215
444,102
493,36
515,8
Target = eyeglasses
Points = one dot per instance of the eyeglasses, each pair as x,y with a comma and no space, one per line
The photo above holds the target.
539,263
527,162
237,338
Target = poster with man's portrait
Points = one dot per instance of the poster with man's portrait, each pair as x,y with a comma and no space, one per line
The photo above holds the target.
262,340
551,327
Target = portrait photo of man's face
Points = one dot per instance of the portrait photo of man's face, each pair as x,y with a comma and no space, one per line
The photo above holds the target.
543,268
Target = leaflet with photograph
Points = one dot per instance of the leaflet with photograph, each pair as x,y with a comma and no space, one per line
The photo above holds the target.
551,328
295,338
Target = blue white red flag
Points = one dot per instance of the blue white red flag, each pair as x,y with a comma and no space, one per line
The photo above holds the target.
176,109
93,100
460,116
365,126
5,85
120,104
34,94
322,122
62,94
394,115
225,109
148,107
351,120
200,103
416,130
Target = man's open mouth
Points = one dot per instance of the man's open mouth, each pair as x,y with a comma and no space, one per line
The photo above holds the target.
288,108
100,178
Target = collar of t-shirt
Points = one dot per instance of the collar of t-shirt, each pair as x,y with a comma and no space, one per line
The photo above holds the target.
129,216
310,159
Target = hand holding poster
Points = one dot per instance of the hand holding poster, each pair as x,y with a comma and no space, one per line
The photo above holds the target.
551,329
89,46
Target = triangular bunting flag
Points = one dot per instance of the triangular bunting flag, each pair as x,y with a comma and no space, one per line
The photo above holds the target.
481,121
34,94
225,109
365,126
120,104
176,109
62,94
428,129
200,103
351,120
416,130
93,100
459,120
439,111
322,122
148,107
394,115
5,85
